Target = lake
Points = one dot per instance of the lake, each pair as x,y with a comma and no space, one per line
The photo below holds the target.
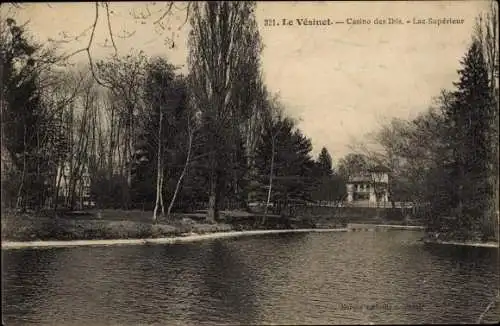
311,278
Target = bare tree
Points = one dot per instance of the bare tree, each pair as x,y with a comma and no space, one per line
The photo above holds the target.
223,36
78,126
61,96
124,77
159,170
273,119
486,32
193,124
252,130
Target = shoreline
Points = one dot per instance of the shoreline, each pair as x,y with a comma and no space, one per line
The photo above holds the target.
193,237
458,243
13,245
363,226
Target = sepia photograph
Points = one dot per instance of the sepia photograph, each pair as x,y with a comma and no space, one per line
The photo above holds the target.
250,163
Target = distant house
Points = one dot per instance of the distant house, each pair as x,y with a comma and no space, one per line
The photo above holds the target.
369,188
82,186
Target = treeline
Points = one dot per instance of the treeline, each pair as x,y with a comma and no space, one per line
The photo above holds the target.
447,157
133,132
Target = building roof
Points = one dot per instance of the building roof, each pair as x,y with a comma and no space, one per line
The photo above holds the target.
360,178
368,176
379,168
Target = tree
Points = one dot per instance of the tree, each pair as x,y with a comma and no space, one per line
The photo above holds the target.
191,129
253,129
79,126
486,32
29,135
470,141
284,163
272,123
162,96
325,161
223,36
391,141
330,189
352,164
124,78
168,126
108,183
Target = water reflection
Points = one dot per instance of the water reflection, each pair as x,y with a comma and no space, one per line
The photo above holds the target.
331,278
31,289
229,284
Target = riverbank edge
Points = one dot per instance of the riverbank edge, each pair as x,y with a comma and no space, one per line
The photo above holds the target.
9,245
461,243
364,226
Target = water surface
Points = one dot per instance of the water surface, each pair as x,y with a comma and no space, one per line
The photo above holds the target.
314,278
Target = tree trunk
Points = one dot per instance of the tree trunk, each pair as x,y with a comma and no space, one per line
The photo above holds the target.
81,186
38,178
20,196
157,202
162,204
391,196
130,147
270,181
124,166
212,210
179,181
159,173
58,186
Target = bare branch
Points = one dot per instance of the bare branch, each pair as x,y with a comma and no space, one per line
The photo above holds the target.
91,63
188,7
86,49
165,13
109,28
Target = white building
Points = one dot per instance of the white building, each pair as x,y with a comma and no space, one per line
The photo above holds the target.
369,189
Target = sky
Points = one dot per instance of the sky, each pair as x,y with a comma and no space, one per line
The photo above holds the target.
341,81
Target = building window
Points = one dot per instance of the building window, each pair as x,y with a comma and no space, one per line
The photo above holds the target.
361,196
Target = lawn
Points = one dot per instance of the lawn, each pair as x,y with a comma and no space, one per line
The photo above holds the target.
127,224
137,224
100,224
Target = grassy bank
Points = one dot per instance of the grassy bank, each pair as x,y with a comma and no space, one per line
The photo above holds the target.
28,227
137,224
119,224
152,241
450,236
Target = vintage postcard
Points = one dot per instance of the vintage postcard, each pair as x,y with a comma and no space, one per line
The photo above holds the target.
253,163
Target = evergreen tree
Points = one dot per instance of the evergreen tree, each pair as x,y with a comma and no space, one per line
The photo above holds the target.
325,161
29,132
294,168
330,189
469,144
